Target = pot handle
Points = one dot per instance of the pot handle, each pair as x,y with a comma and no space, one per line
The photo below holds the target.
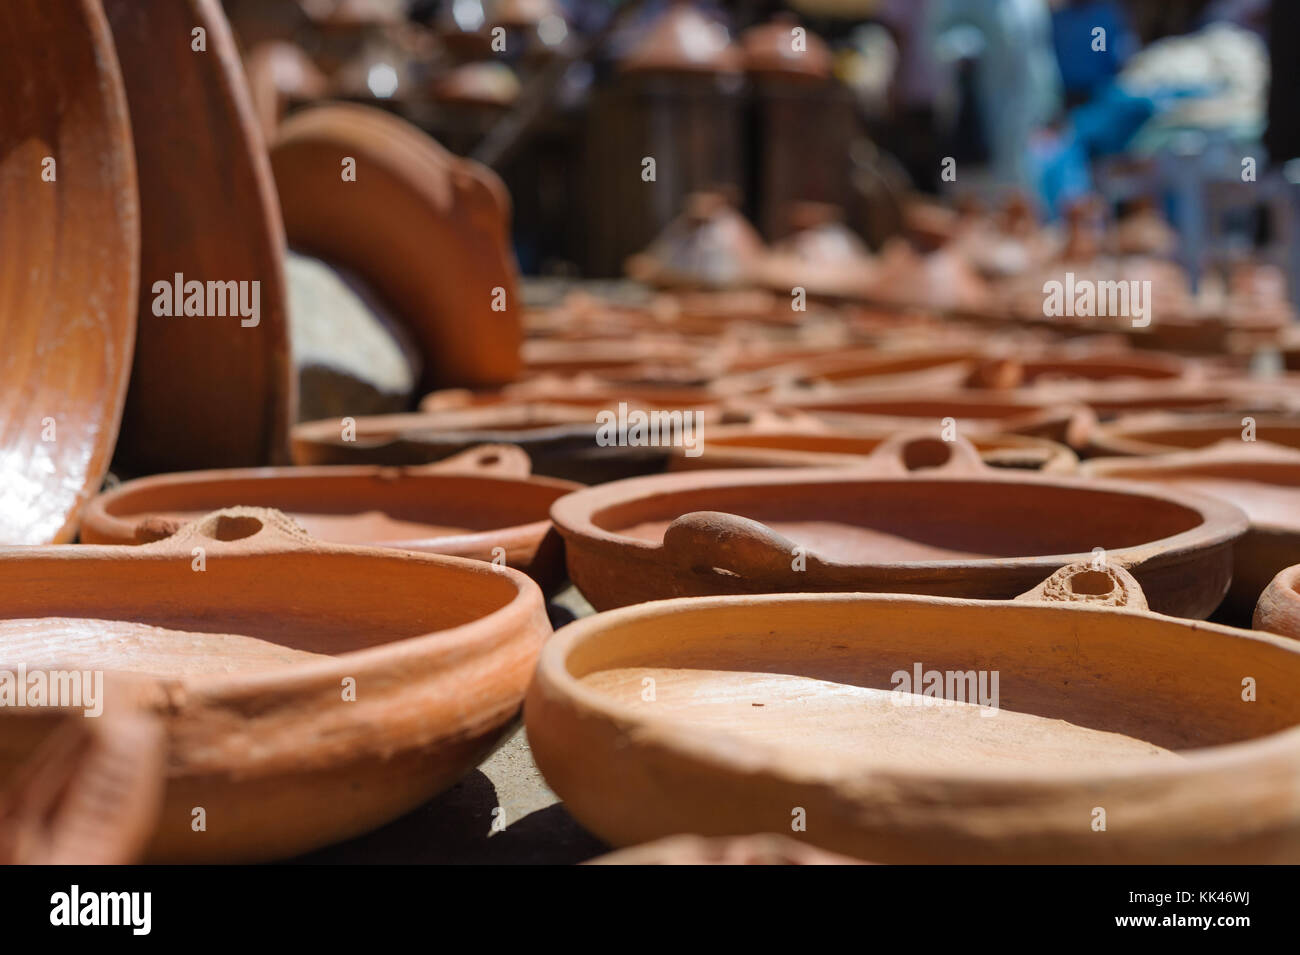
1084,583
712,541
892,455
239,530
493,460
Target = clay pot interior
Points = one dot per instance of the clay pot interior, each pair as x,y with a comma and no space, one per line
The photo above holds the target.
763,702
1140,435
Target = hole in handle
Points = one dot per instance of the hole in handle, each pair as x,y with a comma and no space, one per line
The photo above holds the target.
230,527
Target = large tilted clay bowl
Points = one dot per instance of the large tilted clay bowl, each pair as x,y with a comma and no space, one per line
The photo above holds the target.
961,530
488,511
427,230
1117,735
1260,478
215,389
309,691
76,789
1278,610
69,263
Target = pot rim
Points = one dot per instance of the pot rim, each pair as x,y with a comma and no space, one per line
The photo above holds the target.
1221,522
732,753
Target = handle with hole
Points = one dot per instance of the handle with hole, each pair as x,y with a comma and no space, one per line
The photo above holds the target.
891,457
1082,583
710,541
242,530
491,460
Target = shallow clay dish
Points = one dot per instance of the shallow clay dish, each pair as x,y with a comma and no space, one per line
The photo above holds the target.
480,504
746,446
206,391
77,790
1261,479
309,691
427,230
560,441
69,263
766,849
1159,433
728,715
961,529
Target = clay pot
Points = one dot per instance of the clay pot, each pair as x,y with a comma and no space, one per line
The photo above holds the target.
279,75
961,529
1157,433
480,504
771,446
728,715
764,849
1278,610
206,390
485,84
412,201
70,248
682,40
1070,370
77,790
710,245
560,441
1261,479
975,412
310,691
770,52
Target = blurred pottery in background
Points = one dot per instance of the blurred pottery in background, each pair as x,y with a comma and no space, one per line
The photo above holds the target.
1278,610
280,75
710,245
480,504
716,716
1157,433
309,691
70,244
425,229
212,384
959,529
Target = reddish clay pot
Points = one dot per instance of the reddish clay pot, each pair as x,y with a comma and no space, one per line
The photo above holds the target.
770,52
480,504
682,40
974,412
1062,369
560,441
1145,435
280,74
764,849
960,530
206,390
70,247
411,201
310,691
77,790
723,716
759,446
1261,479
1278,610
710,245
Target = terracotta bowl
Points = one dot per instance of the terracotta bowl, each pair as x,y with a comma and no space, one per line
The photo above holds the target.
206,391
77,790
961,529
310,691
411,202
70,253
1261,479
975,412
767,849
1145,435
1118,736
750,446
1122,367
481,504
1278,610
560,441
